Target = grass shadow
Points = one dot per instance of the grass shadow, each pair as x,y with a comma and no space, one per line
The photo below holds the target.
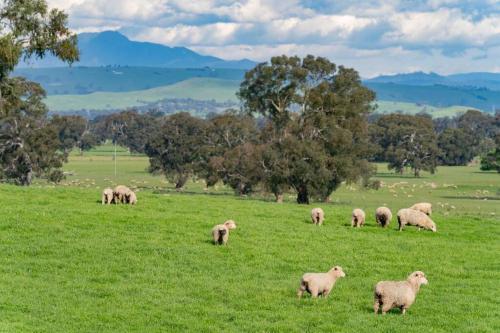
470,197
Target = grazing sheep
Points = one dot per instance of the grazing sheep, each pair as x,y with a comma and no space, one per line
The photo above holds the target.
107,196
131,198
120,192
416,218
398,294
317,216
320,284
383,216
358,218
423,207
220,232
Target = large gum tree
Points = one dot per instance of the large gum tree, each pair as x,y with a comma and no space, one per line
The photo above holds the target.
28,144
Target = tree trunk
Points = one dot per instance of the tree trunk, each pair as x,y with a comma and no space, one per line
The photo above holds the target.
417,173
303,196
279,197
181,181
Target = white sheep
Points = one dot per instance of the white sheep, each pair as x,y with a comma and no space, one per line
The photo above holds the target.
358,218
317,216
320,283
383,216
107,196
423,207
416,218
220,232
398,294
131,198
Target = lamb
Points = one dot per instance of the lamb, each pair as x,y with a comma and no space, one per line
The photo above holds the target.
320,284
220,232
398,294
120,192
423,207
317,216
358,218
131,198
107,196
383,216
416,218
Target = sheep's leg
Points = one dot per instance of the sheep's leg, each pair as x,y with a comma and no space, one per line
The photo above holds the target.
376,305
403,310
326,292
314,291
386,307
301,290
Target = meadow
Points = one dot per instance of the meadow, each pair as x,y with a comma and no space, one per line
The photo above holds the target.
69,264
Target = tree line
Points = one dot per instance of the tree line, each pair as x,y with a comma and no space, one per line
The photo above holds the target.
305,125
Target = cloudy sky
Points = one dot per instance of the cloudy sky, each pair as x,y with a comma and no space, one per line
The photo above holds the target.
373,36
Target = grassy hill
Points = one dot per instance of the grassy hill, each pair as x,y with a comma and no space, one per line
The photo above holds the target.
438,95
70,264
413,108
196,88
86,80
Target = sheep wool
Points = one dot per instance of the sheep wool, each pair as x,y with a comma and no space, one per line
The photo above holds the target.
320,284
383,216
220,232
416,218
398,294
317,216
358,218
107,196
423,207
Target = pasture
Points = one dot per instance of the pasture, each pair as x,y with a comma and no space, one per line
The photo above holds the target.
69,264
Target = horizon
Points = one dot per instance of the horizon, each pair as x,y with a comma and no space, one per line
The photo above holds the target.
375,37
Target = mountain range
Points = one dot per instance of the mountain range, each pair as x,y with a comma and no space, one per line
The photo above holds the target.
465,80
111,48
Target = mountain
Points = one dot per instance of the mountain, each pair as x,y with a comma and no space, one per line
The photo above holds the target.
489,81
111,48
437,95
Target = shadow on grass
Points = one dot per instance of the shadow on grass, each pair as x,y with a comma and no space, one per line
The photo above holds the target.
470,197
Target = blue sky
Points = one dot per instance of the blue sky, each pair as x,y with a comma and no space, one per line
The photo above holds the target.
373,36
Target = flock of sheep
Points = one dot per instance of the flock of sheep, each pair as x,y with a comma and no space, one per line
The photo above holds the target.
121,194
387,294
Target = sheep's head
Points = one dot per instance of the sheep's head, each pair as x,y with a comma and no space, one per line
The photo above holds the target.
230,224
418,277
433,227
337,272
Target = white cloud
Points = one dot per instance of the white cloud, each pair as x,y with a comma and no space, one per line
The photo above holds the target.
211,34
375,36
442,26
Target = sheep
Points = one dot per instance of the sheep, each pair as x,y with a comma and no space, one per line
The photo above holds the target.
358,218
107,196
416,218
423,207
120,192
398,294
220,232
320,284
317,216
383,216
131,198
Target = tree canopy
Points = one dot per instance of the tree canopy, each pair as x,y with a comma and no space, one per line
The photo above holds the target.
28,145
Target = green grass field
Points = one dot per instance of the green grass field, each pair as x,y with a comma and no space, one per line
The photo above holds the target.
69,264
219,90
412,108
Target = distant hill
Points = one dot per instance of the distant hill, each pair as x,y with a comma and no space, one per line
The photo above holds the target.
438,95
201,89
87,80
489,81
112,48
